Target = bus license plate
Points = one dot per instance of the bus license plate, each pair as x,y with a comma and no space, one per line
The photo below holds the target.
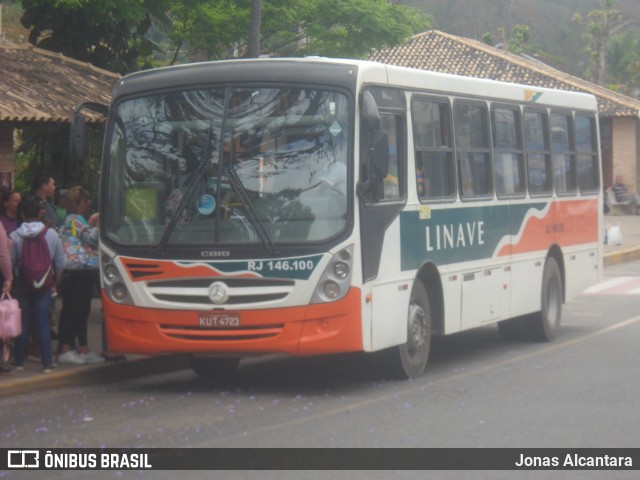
218,320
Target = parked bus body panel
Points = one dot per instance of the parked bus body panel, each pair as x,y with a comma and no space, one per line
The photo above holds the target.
494,276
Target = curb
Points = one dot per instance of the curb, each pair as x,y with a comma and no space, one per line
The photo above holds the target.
93,374
621,256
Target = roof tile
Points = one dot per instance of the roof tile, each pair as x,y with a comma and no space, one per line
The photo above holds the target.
442,52
43,86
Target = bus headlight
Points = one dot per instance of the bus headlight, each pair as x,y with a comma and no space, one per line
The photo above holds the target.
114,286
119,292
336,278
331,290
111,273
341,270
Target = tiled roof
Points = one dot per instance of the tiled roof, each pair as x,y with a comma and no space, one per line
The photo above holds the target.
43,86
442,52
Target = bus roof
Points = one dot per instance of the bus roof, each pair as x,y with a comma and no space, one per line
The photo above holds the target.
347,73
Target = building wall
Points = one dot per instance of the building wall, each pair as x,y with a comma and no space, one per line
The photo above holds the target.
625,151
6,156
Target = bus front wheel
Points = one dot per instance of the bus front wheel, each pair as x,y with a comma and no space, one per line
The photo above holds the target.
410,359
214,369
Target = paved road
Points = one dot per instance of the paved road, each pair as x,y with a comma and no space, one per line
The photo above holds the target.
480,391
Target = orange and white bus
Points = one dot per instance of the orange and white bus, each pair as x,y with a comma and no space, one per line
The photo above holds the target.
316,206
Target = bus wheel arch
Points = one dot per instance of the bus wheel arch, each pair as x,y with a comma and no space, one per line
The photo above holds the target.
429,276
409,359
543,324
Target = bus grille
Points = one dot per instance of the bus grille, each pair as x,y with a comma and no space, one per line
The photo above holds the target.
240,291
258,332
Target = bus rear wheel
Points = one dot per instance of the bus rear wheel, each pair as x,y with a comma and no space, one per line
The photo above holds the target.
213,368
410,359
542,326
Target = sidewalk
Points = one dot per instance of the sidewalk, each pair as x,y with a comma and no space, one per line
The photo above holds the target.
32,378
630,248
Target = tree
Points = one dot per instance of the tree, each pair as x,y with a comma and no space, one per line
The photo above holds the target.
126,35
623,62
520,35
517,43
110,34
337,28
253,47
602,25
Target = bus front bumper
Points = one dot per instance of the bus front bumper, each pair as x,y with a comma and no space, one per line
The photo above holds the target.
307,330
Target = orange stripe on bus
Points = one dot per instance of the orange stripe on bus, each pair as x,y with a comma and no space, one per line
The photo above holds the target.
144,270
566,223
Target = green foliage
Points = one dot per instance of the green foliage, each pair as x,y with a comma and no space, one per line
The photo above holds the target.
488,39
520,35
336,28
623,61
107,33
601,25
126,35
45,149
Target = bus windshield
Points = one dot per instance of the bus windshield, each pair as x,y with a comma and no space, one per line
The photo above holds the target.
228,166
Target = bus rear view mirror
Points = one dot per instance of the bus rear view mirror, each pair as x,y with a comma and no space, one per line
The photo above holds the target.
78,133
370,114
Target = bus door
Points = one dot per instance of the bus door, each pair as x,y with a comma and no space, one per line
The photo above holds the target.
381,190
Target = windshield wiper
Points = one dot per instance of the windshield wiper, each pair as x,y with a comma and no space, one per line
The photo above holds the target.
252,214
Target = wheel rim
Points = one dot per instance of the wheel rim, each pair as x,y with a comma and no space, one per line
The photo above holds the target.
417,334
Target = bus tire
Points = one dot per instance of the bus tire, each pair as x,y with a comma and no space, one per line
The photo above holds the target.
410,359
214,368
542,326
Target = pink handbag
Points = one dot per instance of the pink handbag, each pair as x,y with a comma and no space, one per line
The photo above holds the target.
10,321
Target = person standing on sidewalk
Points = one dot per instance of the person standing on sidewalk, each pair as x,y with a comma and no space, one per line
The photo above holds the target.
9,210
35,296
44,187
80,239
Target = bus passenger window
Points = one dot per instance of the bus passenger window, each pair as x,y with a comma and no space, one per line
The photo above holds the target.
537,152
508,162
564,160
472,143
435,175
587,149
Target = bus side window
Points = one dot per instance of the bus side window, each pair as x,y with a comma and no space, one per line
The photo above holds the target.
508,164
471,124
587,150
432,141
563,153
537,152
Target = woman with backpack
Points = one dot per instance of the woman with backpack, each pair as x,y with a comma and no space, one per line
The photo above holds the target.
38,261
80,239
